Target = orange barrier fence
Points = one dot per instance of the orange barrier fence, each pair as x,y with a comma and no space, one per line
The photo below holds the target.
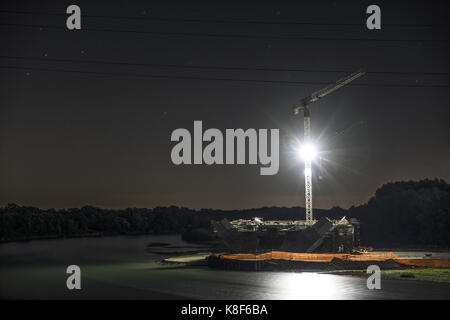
434,263
326,257
318,257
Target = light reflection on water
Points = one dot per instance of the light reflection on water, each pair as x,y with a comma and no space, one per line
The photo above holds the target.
302,286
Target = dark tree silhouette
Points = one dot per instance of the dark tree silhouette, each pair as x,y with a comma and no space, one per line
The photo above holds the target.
402,214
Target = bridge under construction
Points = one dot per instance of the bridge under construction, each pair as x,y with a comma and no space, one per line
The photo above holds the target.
256,235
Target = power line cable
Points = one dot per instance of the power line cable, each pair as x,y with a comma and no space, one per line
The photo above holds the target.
217,78
229,21
188,66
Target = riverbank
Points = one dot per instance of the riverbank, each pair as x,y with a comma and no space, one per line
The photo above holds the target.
199,259
441,275
425,274
399,273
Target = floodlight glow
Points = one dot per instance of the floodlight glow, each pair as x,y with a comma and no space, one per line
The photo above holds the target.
308,151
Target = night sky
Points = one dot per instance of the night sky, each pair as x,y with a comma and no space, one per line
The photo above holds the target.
68,139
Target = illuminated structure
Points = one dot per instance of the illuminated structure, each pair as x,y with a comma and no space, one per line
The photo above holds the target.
308,149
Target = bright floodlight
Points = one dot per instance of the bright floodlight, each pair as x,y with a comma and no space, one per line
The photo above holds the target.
308,151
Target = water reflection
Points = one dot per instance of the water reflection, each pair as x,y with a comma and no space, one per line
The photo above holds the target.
302,286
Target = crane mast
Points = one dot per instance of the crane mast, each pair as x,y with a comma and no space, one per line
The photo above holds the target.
305,105
308,172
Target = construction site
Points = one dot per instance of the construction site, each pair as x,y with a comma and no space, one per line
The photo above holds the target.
324,235
299,236
256,245
304,244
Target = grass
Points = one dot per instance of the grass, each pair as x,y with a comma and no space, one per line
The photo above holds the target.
425,274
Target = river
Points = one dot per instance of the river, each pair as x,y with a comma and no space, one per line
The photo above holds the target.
126,268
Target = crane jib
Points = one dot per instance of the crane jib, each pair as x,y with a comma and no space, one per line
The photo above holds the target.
338,84
328,89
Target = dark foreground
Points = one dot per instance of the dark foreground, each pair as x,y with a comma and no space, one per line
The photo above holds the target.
125,268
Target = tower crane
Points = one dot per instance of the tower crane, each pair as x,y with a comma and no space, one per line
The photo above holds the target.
304,105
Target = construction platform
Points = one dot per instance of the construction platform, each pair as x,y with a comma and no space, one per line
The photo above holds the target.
256,235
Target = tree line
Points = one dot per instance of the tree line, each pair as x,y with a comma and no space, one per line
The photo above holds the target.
402,214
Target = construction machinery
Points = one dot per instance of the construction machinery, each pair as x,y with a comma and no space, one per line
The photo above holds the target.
304,105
